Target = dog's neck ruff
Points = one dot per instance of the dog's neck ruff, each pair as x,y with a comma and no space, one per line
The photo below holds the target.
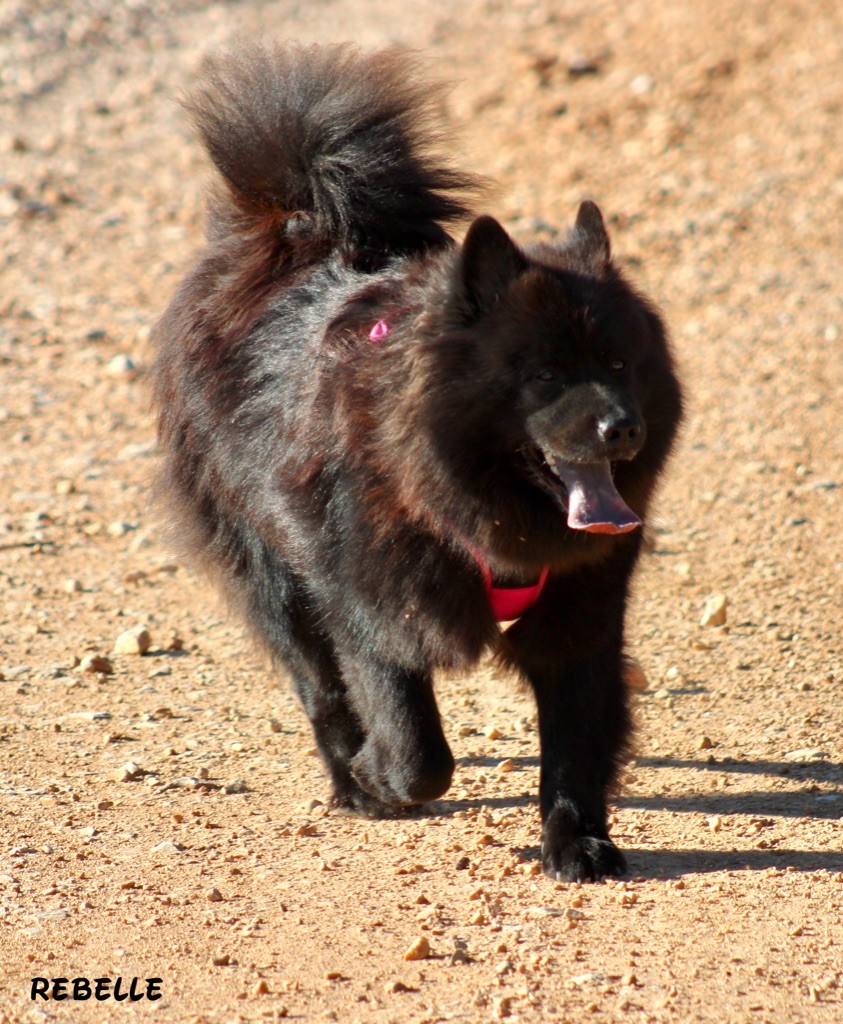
507,603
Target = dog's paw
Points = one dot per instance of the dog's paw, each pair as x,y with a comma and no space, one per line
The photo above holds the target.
583,859
571,857
414,777
357,803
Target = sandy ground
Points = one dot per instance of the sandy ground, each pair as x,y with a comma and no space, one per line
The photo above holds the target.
712,136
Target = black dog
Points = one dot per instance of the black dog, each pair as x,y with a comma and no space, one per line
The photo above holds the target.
382,441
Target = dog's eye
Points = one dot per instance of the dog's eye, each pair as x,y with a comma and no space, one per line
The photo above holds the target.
547,375
618,364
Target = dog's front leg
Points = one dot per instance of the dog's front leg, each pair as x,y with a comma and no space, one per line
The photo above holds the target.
582,728
569,648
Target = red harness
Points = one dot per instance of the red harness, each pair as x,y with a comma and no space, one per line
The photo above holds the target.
510,602
507,603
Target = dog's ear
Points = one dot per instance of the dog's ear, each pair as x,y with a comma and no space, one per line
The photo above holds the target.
489,263
589,239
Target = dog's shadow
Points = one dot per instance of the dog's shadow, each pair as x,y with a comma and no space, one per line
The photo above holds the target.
667,863
802,803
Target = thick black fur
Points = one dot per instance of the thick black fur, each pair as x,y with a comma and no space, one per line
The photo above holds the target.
337,488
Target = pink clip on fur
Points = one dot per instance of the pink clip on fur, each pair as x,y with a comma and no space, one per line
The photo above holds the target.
379,332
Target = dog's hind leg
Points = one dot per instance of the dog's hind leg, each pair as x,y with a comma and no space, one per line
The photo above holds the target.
336,727
405,758
282,612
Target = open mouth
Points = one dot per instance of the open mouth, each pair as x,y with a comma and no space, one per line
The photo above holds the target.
587,491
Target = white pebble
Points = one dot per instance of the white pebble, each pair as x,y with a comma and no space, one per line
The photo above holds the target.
133,641
714,612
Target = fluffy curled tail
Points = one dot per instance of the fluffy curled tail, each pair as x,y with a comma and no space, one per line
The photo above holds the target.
330,140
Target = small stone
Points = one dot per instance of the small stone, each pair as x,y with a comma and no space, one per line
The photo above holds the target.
507,765
221,960
634,677
629,979
65,487
581,65
502,1007
143,542
714,611
715,822
119,529
235,787
705,744
213,895
466,730
419,950
306,829
806,754
463,864
642,84
546,911
57,914
260,988
185,782
333,975
122,366
393,987
71,586
96,663
128,772
311,805
168,846
133,641
491,733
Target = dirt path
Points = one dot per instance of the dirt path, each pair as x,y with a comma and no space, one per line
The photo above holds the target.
712,136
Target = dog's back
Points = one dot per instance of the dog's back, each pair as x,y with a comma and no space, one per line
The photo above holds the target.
325,171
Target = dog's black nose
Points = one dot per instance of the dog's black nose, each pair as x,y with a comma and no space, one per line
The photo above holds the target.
621,434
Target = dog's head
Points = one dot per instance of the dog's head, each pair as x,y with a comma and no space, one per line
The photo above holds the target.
571,363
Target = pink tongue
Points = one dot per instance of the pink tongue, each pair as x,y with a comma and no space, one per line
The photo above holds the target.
593,503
